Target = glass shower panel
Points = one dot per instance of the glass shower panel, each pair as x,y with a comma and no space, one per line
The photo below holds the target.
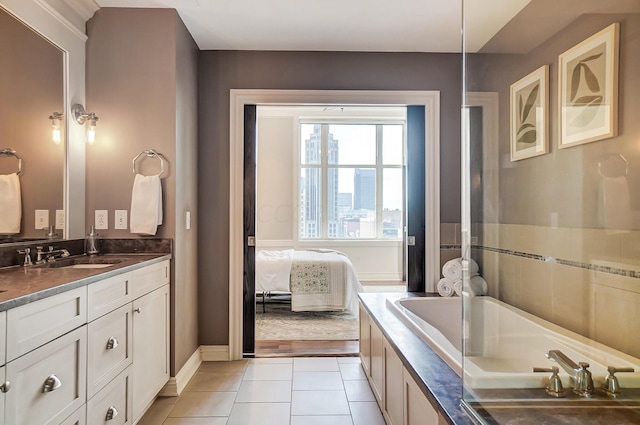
551,211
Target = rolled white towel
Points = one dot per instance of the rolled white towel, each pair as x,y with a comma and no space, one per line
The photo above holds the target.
445,288
478,286
457,287
452,269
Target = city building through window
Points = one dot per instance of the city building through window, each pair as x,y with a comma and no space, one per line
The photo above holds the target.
351,180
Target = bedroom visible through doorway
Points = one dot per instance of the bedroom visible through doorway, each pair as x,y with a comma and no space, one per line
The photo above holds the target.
330,209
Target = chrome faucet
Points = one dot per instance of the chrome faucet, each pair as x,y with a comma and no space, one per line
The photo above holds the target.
52,253
27,256
581,375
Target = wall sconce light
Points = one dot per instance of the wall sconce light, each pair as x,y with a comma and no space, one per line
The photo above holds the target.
81,117
56,135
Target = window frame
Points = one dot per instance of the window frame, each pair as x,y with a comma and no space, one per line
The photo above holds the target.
324,166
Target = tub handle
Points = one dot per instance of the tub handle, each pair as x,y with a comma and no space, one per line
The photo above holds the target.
554,387
611,386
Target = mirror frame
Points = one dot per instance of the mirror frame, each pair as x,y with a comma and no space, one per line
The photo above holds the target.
50,24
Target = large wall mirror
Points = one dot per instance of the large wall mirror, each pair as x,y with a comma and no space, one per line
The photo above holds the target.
43,71
31,90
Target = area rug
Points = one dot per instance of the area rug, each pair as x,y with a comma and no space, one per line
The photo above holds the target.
280,323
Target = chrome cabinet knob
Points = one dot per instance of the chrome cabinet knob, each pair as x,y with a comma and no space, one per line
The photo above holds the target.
112,412
5,387
52,383
137,310
112,343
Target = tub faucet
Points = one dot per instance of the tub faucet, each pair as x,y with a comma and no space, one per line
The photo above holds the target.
583,383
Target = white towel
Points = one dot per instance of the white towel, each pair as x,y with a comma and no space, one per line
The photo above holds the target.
445,288
457,287
478,286
10,204
452,269
146,205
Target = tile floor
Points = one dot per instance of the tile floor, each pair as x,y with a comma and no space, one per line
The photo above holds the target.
272,391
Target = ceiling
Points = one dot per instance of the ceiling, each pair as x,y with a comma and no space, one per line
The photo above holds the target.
335,25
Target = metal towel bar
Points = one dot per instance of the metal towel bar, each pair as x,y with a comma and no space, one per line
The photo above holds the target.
11,152
150,153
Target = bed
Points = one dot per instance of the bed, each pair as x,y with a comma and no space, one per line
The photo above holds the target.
318,279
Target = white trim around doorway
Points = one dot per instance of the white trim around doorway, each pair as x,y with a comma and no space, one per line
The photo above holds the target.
241,97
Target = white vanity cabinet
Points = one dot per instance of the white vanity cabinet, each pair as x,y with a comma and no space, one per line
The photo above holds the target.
400,398
78,357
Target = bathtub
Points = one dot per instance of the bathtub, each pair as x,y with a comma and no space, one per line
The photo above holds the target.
503,343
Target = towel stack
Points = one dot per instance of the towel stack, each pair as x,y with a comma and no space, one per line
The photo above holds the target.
451,283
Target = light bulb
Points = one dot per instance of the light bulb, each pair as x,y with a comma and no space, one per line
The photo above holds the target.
56,134
91,134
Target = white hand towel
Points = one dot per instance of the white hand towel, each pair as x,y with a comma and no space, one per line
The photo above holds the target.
445,288
452,269
146,205
10,204
478,286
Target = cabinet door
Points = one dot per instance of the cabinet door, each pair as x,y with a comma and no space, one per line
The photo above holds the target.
109,348
365,341
2,393
48,384
3,338
418,410
377,363
393,383
150,347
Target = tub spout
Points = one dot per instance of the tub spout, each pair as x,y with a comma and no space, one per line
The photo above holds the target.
583,382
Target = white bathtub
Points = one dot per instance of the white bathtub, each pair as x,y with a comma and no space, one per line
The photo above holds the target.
504,343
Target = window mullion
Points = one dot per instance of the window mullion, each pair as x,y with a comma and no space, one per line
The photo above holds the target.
324,160
379,226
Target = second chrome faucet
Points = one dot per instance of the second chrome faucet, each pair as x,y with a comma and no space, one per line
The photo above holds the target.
580,374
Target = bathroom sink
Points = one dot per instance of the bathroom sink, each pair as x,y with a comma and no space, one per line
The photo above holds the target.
82,262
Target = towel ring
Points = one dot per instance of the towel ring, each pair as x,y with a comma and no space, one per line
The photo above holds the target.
150,153
602,165
11,152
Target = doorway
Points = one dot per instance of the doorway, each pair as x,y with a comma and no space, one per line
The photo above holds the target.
239,98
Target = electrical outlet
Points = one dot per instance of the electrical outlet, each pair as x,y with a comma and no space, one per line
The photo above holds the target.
60,219
42,219
102,220
121,219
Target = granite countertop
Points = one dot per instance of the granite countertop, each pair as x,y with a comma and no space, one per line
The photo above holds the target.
444,387
21,285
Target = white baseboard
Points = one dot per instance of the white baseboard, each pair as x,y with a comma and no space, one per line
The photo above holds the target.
214,353
176,384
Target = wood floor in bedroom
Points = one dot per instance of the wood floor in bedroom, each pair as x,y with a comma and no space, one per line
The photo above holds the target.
306,348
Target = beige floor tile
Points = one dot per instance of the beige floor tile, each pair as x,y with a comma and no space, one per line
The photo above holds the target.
205,381
306,381
201,403
345,360
264,392
358,391
352,371
315,403
196,421
315,364
322,420
269,372
260,414
157,413
237,366
366,413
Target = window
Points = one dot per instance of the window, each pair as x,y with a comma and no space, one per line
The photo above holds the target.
351,181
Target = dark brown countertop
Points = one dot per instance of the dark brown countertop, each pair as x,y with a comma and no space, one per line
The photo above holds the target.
21,285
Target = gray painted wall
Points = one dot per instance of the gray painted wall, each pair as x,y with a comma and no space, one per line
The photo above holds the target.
220,71
141,82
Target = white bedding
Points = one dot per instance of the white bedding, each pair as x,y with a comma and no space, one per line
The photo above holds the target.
319,280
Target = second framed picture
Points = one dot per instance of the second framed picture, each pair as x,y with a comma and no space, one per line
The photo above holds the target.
529,106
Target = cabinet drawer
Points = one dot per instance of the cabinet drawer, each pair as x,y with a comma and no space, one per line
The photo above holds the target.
112,405
32,400
107,295
79,417
34,324
109,348
149,278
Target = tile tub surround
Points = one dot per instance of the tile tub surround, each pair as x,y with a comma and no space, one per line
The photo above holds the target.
272,391
573,277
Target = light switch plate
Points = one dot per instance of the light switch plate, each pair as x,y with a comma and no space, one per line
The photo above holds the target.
59,219
121,219
42,219
187,220
102,220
